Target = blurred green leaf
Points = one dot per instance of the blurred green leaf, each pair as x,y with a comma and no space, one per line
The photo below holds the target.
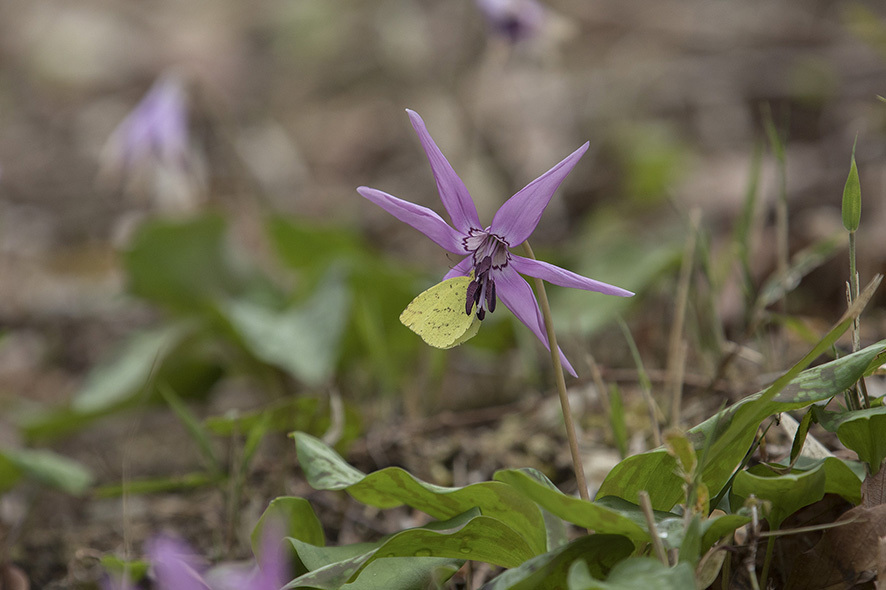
634,573
393,486
157,485
803,262
302,340
305,413
187,265
608,249
195,429
48,468
133,570
119,379
10,474
385,289
549,570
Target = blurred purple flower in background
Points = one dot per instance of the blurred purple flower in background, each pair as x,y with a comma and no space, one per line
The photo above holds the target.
157,129
151,150
495,269
515,20
176,567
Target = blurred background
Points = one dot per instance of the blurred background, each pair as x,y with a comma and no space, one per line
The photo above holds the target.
206,247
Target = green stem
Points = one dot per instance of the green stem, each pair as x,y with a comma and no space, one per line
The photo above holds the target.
861,391
561,382
764,575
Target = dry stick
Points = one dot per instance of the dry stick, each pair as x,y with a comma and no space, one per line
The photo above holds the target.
561,382
646,506
676,347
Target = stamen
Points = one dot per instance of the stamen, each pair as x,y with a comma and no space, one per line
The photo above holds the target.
473,296
490,296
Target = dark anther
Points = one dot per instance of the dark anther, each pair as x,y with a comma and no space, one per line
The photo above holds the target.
490,296
473,296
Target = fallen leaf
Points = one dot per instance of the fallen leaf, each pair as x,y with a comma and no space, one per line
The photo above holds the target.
845,555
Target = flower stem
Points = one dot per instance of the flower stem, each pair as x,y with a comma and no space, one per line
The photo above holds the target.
561,382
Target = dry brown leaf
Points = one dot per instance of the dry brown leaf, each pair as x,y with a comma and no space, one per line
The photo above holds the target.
845,555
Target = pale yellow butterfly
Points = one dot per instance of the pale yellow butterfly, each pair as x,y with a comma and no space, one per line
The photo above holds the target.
438,314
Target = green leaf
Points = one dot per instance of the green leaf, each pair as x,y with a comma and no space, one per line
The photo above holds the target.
635,573
393,486
50,469
728,435
154,485
302,340
296,517
852,196
714,529
306,413
196,430
802,263
187,265
405,573
548,571
800,435
10,474
591,515
860,430
120,379
787,493
467,536
841,477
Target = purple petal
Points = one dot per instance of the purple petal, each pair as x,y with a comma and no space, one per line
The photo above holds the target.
453,193
517,295
273,564
565,278
516,219
462,269
175,566
514,19
421,218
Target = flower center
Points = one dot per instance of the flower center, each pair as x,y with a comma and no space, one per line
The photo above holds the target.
490,253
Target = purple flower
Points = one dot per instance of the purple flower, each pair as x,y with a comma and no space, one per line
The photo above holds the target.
496,270
514,19
156,130
176,567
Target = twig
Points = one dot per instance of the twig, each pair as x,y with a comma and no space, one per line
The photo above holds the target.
658,546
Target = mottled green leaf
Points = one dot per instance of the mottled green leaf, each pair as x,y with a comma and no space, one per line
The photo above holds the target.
633,574
549,570
728,435
591,515
393,486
